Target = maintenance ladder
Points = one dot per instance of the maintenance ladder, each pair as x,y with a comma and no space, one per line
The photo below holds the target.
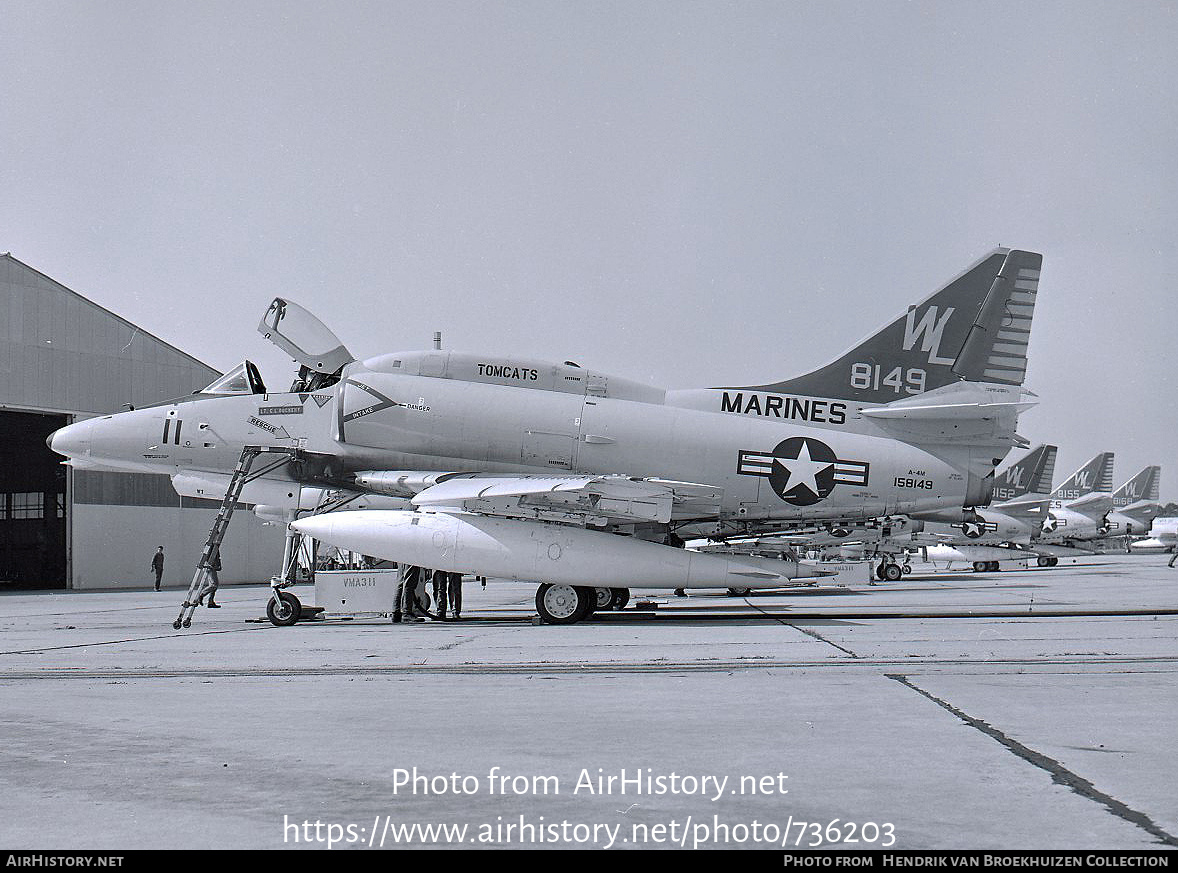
242,475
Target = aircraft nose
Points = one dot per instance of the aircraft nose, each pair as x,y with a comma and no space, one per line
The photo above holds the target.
73,440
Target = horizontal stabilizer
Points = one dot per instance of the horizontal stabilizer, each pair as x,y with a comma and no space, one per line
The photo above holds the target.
1093,505
947,410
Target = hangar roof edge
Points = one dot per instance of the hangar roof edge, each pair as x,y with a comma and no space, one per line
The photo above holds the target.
10,257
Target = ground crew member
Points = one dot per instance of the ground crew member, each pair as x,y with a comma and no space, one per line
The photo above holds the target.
411,593
455,592
440,578
213,581
1173,555
214,569
157,564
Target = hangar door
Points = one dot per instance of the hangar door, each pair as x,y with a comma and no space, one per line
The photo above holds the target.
32,503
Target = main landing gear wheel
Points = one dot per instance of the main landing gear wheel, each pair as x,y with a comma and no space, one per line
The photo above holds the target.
564,604
284,609
605,598
993,568
621,596
980,566
1043,561
892,572
739,592
1053,561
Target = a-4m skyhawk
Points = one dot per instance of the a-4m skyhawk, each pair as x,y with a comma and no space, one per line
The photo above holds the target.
530,470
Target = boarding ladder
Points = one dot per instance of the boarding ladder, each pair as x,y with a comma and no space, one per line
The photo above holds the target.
243,474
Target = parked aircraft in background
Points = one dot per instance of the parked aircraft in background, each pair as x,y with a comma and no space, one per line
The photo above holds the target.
1078,510
1136,504
989,535
511,467
1163,537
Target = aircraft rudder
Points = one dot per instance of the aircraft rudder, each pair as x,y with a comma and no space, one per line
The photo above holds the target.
995,348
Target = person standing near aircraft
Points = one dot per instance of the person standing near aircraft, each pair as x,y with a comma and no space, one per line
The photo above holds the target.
1173,555
413,586
157,564
453,595
440,579
214,579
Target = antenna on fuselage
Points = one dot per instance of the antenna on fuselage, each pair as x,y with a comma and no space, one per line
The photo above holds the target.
438,340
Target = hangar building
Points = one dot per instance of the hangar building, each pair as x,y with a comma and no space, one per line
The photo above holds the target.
64,358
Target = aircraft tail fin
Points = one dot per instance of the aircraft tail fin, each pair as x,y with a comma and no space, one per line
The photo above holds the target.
1096,475
1032,474
974,328
1146,485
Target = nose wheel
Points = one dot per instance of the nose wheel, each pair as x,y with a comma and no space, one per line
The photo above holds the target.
283,609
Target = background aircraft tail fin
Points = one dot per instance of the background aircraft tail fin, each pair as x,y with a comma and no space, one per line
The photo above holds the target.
1096,475
1032,474
988,306
1146,485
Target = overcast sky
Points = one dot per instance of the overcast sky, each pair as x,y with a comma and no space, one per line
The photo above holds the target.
690,194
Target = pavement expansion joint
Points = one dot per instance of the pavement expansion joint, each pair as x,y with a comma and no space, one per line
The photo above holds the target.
1059,773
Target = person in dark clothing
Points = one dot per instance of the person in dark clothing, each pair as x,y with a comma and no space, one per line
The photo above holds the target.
440,580
214,569
454,592
157,564
214,581
413,587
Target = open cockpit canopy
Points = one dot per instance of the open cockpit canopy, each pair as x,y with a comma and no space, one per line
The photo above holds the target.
306,339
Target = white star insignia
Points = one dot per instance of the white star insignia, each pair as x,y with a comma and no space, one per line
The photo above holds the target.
802,470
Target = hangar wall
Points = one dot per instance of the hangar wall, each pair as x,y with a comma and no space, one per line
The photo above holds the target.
251,552
63,354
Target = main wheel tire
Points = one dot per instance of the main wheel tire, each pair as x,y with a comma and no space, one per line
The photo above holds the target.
605,598
1043,561
993,567
1054,561
980,566
621,596
739,592
564,604
892,572
284,609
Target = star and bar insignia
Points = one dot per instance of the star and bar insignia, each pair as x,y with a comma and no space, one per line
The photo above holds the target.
974,529
802,470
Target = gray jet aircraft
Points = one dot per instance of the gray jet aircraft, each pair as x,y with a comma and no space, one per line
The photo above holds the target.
510,467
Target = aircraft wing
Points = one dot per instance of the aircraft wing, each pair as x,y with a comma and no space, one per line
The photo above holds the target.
596,500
